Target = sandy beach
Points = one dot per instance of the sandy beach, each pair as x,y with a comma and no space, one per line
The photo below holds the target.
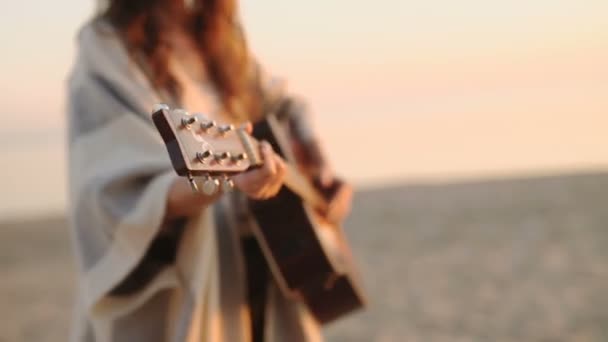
510,260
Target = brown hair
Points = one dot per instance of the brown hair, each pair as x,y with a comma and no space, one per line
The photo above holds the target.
215,29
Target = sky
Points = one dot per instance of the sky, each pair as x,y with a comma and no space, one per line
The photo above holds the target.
402,91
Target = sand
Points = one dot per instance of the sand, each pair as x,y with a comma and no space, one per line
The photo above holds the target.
513,260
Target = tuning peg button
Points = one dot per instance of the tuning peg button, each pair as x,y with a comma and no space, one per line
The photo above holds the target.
227,185
159,106
192,183
210,186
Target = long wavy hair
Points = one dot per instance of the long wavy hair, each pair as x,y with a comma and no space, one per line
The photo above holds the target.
215,29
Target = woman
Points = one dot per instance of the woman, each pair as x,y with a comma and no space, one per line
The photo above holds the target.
158,262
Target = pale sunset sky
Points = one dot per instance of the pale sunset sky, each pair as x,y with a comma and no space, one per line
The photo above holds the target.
402,90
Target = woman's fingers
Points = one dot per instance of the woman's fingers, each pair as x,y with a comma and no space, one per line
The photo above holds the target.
340,205
267,172
269,165
276,183
266,181
248,127
326,176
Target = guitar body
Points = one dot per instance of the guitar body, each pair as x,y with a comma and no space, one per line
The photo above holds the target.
310,259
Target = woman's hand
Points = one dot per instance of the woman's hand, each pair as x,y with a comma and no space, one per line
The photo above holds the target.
340,196
266,181
312,162
340,205
261,183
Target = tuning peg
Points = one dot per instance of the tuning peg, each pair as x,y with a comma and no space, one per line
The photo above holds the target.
227,184
225,129
159,106
188,120
192,183
207,125
222,157
239,157
210,186
204,156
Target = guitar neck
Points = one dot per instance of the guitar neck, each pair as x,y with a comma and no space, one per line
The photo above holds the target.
301,185
295,180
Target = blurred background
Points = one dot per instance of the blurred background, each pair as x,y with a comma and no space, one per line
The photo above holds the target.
474,132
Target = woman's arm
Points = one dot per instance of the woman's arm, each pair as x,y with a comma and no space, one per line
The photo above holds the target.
312,159
310,156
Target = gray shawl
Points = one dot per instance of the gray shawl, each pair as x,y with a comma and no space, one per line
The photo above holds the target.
119,177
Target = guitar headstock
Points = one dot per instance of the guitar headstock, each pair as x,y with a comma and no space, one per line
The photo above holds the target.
199,146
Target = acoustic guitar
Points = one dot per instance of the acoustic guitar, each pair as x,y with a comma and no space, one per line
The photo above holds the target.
309,258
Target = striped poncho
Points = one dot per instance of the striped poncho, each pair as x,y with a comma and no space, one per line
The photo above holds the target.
132,285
